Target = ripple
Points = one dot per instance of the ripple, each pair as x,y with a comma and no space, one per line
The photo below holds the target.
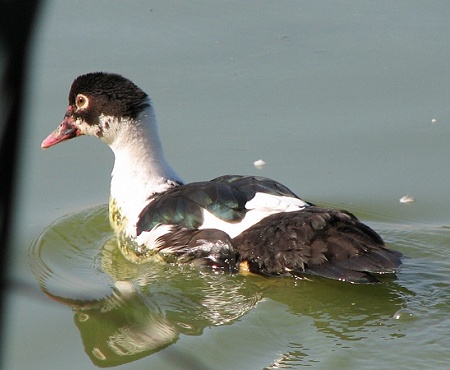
65,257
125,311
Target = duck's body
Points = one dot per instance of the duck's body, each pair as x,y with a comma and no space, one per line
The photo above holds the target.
227,222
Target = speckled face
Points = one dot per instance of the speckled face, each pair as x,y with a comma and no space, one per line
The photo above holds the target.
107,94
87,121
96,101
96,94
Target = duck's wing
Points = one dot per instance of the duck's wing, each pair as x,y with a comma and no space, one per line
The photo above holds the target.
316,241
226,198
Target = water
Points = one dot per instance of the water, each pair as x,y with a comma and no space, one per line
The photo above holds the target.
337,98
125,312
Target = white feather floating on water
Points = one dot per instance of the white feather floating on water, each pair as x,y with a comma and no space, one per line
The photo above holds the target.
259,164
407,199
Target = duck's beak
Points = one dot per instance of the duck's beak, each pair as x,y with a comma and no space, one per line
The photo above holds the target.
65,131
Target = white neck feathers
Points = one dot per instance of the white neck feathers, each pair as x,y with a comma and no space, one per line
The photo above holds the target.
140,168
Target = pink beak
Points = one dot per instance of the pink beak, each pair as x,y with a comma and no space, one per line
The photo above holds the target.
65,131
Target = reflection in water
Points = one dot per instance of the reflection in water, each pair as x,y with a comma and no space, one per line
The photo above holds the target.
126,311
123,327
342,313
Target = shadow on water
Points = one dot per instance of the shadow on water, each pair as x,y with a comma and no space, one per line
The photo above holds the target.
126,311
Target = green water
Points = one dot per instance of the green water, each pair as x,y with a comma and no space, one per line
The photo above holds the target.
125,312
337,98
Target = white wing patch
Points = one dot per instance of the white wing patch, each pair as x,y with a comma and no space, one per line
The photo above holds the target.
151,238
259,207
275,203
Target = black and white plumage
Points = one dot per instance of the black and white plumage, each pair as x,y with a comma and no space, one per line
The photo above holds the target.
228,222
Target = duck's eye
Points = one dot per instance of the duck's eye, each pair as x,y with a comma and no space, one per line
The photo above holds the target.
81,101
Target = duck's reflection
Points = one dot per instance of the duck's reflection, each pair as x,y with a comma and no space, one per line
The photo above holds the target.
126,311
136,321
123,327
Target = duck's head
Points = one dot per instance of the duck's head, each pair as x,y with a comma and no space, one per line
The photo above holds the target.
99,103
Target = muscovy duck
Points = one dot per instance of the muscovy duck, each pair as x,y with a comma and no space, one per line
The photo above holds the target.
233,222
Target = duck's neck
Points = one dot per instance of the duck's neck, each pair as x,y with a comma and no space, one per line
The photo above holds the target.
140,169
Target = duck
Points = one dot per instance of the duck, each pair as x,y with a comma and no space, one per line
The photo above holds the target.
236,223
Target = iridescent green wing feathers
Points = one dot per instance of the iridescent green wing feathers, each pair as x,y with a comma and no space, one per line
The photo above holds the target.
225,197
